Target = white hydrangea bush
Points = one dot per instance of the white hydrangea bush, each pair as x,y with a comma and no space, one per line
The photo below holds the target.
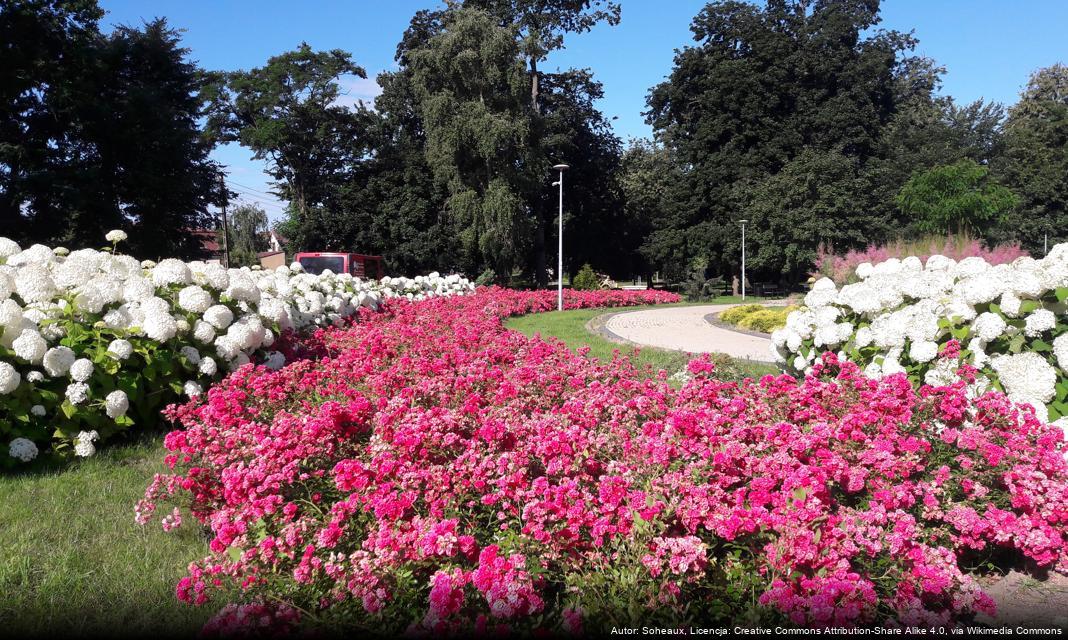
94,342
1009,321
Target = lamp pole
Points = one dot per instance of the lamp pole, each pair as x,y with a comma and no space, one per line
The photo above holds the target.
742,222
560,240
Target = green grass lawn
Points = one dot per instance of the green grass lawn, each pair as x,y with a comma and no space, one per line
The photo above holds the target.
72,557
570,328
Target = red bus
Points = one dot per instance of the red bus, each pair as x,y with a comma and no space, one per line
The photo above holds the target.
359,265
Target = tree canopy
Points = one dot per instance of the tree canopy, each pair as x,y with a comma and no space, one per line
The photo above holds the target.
101,132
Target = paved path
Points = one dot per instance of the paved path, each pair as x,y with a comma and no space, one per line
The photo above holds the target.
685,329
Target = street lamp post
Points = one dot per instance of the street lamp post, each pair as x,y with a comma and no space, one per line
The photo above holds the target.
742,222
560,240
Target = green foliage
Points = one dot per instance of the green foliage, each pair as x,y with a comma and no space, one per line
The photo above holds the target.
469,84
760,91
1035,161
957,198
101,132
586,279
287,113
151,377
248,235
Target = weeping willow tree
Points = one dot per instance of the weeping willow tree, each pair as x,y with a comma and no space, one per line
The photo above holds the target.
472,91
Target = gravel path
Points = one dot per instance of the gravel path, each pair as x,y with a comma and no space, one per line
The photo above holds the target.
685,329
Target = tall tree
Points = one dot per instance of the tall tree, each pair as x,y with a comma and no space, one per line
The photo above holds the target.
248,234
287,113
107,137
469,83
762,86
1035,160
44,45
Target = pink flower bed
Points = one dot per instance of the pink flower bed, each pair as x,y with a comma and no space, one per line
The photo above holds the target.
434,472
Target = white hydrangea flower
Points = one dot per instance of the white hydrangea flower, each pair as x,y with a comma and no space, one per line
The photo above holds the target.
191,354
9,378
22,449
988,326
116,404
923,351
8,248
192,389
219,316
1060,350
275,360
30,346
83,444
35,376
1010,304
1039,322
38,410
121,349
203,332
160,327
171,271
58,360
33,283
77,392
194,299
1026,376
81,370
208,366
115,235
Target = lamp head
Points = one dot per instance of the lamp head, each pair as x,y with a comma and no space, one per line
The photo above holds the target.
743,221
561,167
556,184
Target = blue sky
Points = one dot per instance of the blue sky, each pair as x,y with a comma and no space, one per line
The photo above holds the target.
988,47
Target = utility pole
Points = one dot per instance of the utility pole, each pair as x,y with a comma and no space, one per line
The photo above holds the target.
226,224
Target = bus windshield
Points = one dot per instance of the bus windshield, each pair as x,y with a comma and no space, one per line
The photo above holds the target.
317,264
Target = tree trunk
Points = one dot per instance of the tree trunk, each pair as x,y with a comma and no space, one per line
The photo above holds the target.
541,279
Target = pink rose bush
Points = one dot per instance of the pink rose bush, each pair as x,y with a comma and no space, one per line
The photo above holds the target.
433,472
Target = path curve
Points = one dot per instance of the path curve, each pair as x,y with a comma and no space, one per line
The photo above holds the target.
685,329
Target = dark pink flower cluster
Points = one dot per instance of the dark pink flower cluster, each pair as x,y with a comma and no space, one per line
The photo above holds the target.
436,472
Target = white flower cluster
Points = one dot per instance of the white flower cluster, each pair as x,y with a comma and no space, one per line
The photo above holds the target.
212,317
900,312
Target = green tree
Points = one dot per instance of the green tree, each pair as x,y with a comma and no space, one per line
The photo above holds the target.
958,198
248,234
1035,161
651,180
469,84
762,86
107,137
810,202
287,113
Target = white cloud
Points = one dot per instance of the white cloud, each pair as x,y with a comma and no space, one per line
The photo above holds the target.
355,90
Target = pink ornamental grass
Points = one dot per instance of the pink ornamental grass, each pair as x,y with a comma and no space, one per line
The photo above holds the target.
437,473
842,268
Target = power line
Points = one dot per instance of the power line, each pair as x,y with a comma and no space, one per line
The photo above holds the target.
253,189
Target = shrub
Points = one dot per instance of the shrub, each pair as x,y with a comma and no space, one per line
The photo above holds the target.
586,279
1007,320
842,269
438,473
94,342
734,315
766,319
